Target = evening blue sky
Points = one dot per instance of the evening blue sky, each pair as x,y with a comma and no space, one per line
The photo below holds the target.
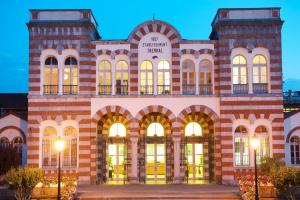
117,18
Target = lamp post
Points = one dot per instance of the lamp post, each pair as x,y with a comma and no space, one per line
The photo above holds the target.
59,146
254,144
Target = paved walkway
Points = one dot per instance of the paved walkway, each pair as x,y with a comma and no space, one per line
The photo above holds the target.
170,191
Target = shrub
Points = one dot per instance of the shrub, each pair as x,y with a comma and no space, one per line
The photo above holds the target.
68,185
23,180
285,180
269,165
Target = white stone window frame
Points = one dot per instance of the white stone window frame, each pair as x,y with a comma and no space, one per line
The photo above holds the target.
154,75
61,63
59,127
249,55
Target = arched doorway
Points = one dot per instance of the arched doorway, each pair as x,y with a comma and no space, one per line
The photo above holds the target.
198,148
194,154
113,147
155,150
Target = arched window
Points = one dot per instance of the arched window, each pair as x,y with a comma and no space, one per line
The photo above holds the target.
122,78
4,142
117,130
239,75
70,76
193,129
49,154
146,79
155,129
188,77
295,150
51,76
104,78
264,143
205,86
163,77
70,150
241,146
260,74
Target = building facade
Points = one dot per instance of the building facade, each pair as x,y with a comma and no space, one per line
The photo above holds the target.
154,108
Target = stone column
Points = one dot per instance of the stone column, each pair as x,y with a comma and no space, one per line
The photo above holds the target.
134,159
176,140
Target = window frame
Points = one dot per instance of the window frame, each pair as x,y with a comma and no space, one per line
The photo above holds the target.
243,136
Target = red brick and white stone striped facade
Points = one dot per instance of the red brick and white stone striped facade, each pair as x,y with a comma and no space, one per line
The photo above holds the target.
235,31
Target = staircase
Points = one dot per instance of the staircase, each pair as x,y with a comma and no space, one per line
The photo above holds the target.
165,192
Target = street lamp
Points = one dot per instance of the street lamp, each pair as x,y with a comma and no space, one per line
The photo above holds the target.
254,144
59,146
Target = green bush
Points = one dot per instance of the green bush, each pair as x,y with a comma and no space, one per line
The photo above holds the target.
269,165
286,180
23,180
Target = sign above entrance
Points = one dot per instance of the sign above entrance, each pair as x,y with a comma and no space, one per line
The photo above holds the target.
155,43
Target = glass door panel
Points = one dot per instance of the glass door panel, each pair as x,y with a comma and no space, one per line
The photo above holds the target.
195,161
155,162
116,163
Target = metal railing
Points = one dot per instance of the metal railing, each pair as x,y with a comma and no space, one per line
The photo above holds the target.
189,89
240,88
163,89
104,89
122,89
205,89
260,88
146,89
70,89
291,96
50,89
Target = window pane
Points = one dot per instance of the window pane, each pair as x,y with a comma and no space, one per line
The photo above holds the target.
67,80
47,76
54,76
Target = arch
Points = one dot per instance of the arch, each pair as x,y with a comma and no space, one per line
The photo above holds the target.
155,128
156,108
111,109
15,128
290,133
198,108
193,128
154,26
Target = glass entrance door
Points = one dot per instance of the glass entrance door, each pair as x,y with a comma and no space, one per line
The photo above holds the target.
195,162
155,163
116,163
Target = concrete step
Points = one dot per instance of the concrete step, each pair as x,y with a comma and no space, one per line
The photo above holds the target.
164,192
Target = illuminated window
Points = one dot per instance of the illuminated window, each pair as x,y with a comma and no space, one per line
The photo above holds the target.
239,70
163,80
117,129
104,77
241,146
50,76
146,79
259,69
295,150
70,149
70,76
264,144
205,85
122,77
193,129
49,154
155,129
188,77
